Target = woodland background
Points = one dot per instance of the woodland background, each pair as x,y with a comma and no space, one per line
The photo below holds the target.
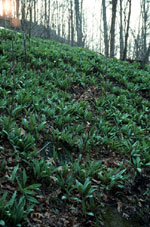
117,28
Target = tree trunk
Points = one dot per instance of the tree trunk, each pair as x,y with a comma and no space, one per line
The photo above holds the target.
72,25
17,8
23,15
78,13
45,13
127,32
48,19
35,11
30,11
112,30
121,32
105,28
145,27
3,8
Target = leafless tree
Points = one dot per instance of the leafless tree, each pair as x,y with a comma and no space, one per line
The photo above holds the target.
112,30
121,30
127,32
79,15
106,43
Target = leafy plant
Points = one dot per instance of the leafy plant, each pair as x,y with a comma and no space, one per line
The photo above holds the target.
27,191
85,191
112,178
13,212
41,169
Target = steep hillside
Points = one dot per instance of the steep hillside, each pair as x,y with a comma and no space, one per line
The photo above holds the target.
74,135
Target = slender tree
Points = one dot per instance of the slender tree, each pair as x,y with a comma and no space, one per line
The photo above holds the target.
78,15
3,7
17,8
127,32
112,30
144,25
121,31
72,22
106,43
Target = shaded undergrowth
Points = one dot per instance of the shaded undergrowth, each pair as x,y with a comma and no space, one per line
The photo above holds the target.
74,134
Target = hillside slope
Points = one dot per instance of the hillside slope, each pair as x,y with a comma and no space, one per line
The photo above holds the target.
74,134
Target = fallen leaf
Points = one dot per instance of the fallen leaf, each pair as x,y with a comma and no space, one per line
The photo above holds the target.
119,205
36,217
22,132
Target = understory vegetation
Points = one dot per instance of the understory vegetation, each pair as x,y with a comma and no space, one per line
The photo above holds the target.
74,134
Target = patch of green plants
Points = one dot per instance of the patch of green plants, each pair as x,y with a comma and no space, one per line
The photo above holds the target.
97,112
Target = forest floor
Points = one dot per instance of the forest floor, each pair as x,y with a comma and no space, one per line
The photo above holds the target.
74,136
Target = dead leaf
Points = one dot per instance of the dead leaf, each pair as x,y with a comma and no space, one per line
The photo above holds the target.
22,132
53,178
119,206
125,215
37,217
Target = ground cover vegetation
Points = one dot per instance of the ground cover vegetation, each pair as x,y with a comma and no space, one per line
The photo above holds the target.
74,135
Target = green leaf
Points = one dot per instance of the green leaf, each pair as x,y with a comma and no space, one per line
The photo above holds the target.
32,199
139,170
24,177
2,223
33,187
12,200
90,213
14,173
76,199
16,110
41,126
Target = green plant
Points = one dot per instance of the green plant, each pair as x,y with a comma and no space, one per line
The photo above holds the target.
21,179
24,142
3,167
137,163
112,178
41,169
86,199
13,212
27,191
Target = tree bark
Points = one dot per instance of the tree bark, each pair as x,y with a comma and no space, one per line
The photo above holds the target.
17,8
106,43
121,32
144,25
127,32
3,8
78,13
112,30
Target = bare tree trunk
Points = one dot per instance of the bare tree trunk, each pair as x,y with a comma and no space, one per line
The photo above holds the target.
17,8
72,25
23,14
105,29
121,32
127,32
78,13
30,29
48,19
69,28
45,13
112,30
145,20
35,11
3,8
